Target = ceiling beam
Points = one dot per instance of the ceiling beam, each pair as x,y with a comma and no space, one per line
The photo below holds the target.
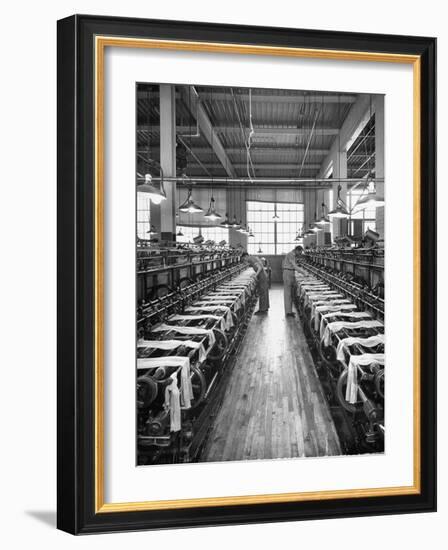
268,166
259,130
276,98
273,97
193,104
254,150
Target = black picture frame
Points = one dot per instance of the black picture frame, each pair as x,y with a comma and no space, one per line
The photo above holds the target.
76,256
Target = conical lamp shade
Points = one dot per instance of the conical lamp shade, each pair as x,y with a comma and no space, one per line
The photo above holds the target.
211,212
190,206
323,220
235,223
225,223
152,230
155,195
371,199
339,212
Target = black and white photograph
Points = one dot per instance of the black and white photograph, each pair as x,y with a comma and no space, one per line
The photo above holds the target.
259,273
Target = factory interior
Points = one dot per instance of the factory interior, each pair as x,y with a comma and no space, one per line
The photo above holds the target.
259,273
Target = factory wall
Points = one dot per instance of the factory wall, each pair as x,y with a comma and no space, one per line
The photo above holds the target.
233,202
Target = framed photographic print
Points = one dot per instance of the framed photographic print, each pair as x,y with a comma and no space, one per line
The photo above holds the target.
246,246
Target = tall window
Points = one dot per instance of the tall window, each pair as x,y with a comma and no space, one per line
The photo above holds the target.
143,223
367,215
275,226
213,233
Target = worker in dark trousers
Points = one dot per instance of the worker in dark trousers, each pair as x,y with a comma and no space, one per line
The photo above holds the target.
262,282
289,267
268,270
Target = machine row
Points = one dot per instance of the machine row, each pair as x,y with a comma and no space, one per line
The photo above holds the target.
187,344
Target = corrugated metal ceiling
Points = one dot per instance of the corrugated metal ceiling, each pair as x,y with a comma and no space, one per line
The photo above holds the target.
282,120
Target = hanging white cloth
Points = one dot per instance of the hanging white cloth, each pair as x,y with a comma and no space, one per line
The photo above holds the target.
226,309
348,314
313,288
235,297
239,288
173,344
183,363
220,318
216,300
328,308
331,302
336,326
330,295
369,342
187,330
172,404
229,291
356,362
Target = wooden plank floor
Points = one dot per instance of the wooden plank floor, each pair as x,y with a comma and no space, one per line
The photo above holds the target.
274,406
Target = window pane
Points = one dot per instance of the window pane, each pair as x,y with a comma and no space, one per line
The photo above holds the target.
215,233
143,215
260,219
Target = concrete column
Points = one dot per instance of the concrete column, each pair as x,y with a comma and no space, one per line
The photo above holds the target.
168,160
339,171
378,104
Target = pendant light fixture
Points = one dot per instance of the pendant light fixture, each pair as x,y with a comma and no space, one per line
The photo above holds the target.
226,223
179,233
275,217
259,251
340,211
310,231
211,212
315,227
156,195
234,223
323,219
242,228
152,230
189,205
371,199
251,234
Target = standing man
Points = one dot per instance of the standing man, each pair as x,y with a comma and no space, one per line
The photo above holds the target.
289,267
262,282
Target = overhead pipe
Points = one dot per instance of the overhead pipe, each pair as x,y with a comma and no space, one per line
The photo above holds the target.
223,179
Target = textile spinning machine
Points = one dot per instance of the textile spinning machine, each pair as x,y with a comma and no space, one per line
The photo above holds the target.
187,342
343,319
162,270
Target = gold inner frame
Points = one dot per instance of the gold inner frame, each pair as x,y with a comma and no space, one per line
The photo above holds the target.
101,42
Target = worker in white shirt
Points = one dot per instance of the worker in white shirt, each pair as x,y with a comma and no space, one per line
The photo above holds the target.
289,266
262,282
